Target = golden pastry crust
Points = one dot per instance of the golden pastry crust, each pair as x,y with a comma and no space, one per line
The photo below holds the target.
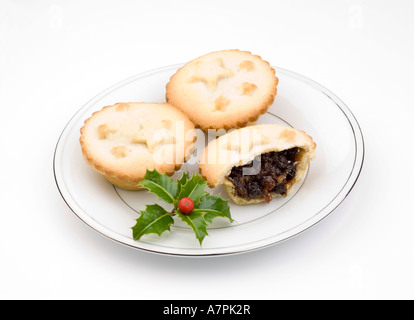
241,146
223,89
122,141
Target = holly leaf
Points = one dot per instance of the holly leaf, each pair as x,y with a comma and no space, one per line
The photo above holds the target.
154,219
181,182
197,222
213,207
160,184
208,208
193,188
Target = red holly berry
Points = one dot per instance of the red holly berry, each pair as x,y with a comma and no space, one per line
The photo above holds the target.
186,205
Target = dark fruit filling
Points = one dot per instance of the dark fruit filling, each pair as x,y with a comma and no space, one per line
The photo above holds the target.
266,174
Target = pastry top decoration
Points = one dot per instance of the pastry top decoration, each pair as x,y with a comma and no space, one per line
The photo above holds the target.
210,72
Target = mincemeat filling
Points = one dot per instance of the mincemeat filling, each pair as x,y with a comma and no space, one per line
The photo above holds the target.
266,174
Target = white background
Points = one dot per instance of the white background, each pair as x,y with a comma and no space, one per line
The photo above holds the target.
56,55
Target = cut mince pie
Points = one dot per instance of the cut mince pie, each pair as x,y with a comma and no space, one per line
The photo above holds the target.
257,163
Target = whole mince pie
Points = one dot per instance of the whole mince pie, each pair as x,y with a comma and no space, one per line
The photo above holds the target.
123,140
257,163
214,88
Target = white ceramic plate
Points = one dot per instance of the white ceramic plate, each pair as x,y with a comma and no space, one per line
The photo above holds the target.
300,103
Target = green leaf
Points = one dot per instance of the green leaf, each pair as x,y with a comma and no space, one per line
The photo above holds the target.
208,208
193,188
197,222
154,219
214,207
182,181
161,185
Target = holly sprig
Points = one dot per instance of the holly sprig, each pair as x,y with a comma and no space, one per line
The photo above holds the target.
155,219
